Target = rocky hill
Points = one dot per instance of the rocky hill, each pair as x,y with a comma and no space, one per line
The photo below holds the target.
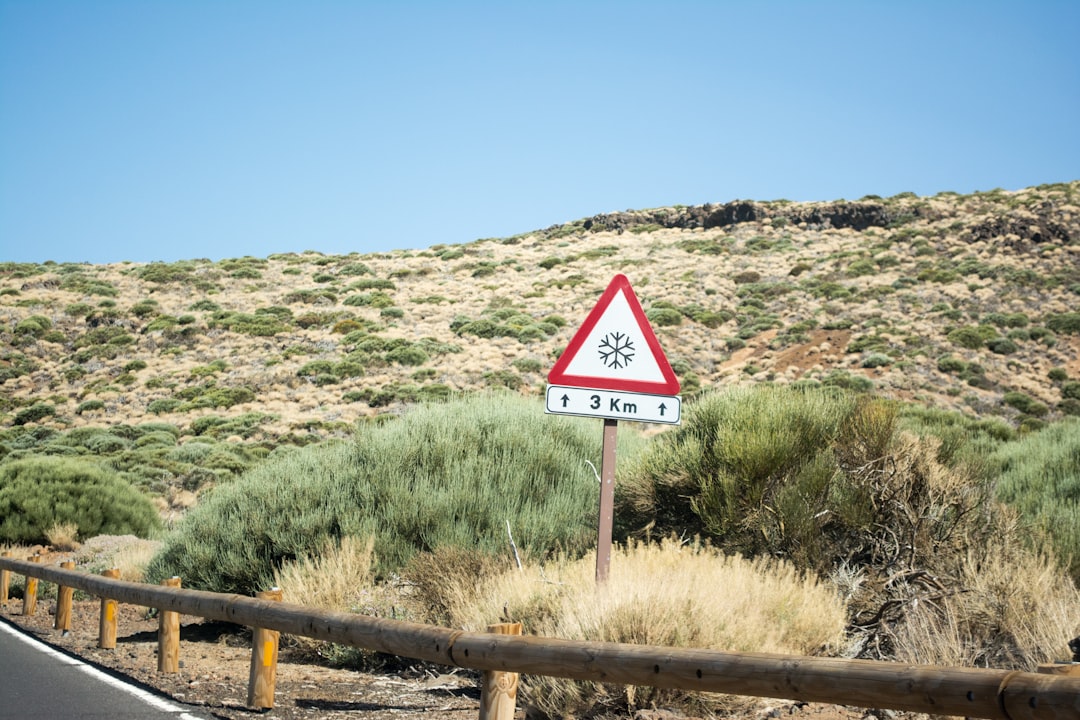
966,302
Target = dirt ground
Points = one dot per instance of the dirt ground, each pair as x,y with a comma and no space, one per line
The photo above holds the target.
215,659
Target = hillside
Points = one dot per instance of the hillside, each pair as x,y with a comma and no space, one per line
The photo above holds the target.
966,302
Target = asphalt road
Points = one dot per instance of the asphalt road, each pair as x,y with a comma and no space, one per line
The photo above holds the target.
38,682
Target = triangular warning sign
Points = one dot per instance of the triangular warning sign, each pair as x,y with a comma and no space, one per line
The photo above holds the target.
616,349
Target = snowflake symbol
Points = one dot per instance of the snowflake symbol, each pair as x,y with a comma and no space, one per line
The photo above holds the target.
616,350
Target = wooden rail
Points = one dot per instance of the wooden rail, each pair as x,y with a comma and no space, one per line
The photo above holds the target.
970,692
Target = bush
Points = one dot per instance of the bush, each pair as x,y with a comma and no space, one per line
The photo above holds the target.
37,494
35,413
972,337
876,360
1024,403
447,474
1002,346
1040,476
410,355
671,594
950,364
664,317
812,475
1071,390
1064,323
88,406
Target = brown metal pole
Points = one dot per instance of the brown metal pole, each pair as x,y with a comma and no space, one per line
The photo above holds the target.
498,689
168,660
64,596
607,500
107,621
30,590
264,655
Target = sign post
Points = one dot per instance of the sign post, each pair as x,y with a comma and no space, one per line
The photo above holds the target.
613,368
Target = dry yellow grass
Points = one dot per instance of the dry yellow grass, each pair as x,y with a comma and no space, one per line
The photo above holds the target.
336,579
63,537
1017,609
670,594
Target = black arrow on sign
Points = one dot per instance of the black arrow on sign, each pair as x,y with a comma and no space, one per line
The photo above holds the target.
663,407
565,400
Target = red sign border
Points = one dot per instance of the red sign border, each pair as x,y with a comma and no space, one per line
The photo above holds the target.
558,375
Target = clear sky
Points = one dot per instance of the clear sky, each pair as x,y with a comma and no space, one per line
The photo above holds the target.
150,130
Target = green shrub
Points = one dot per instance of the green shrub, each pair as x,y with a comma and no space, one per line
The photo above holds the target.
527,365
373,284
34,326
159,272
1064,323
257,325
39,493
1058,374
315,367
448,474
410,355
163,405
1071,389
377,299
481,328
971,336
145,308
950,364
35,413
876,360
847,381
798,474
89,405
664,317
1024,403
215,397
354,269
79,309
1040,476
1002,346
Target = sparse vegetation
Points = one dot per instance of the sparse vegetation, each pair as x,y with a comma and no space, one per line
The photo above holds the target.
39,494
916,372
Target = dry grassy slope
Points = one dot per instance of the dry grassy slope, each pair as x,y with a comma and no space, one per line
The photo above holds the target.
905,282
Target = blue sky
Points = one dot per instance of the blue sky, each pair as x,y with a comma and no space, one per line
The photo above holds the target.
209,129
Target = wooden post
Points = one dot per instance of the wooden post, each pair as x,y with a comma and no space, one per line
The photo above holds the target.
498,689
30,593
107,622
607,500
5,580
264,654
168,659
64,596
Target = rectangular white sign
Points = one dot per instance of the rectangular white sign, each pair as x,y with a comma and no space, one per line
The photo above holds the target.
638,407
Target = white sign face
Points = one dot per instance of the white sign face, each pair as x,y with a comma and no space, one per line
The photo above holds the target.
616,348
614,405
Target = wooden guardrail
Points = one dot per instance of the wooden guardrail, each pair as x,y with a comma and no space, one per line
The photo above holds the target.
969,692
